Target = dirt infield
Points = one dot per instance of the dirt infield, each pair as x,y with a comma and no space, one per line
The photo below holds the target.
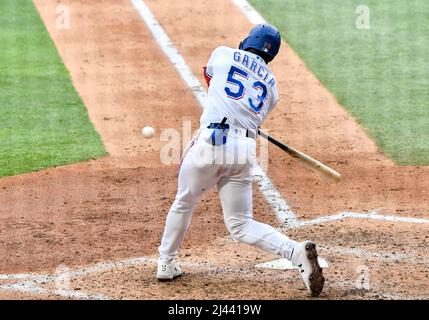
87,215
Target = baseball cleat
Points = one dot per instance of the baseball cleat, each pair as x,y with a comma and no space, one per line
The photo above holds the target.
305,258
168,270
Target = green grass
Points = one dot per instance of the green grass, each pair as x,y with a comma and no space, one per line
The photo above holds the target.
43,122
380,75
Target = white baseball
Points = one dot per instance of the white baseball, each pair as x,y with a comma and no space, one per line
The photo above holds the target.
148,132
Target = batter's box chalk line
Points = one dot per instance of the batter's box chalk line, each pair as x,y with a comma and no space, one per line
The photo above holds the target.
34,283
285,214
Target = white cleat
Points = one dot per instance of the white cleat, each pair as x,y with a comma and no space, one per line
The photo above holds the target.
168,270
305,258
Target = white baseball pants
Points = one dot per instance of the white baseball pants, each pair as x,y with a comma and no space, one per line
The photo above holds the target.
229,167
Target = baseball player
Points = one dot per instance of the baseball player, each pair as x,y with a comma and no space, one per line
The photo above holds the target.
242,90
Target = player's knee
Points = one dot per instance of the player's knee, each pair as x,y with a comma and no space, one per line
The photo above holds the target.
238,228
182,206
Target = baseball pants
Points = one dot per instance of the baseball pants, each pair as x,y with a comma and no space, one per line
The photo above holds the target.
229,167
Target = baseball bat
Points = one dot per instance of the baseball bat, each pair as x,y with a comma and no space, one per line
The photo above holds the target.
302,156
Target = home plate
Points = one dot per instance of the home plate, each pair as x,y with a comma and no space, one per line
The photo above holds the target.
285,264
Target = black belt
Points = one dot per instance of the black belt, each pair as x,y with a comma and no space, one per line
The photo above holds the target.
224,126
251,134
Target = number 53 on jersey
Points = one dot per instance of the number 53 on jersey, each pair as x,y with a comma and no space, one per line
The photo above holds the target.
237,90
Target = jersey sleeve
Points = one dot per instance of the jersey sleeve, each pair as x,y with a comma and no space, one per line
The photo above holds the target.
274,98
209,70
207,77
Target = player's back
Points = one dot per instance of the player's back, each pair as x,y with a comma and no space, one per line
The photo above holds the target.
242,88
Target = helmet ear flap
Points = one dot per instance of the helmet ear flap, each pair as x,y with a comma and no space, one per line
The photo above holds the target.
241,45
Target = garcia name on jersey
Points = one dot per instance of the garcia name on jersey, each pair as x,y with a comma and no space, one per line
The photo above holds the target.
241,88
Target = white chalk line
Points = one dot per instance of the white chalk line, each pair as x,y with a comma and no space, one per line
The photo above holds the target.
30,287
271,194
251,13
286,215
274,198
354,215
33,283
370,215
171,52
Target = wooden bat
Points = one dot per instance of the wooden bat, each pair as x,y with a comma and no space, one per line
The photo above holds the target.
302,157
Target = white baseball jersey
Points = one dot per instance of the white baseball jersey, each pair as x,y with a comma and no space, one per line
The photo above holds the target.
242,88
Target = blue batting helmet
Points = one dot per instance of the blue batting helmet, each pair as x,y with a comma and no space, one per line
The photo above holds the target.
263,37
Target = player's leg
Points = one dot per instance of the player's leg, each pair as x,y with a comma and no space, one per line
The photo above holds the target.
194,178
236,198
